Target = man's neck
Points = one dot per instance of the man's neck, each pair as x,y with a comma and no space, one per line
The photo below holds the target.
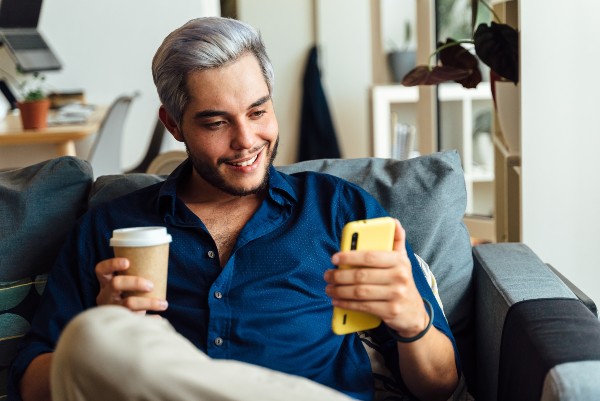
223,214
197,190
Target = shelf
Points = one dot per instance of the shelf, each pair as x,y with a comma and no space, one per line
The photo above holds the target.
381,99
496,2
384,96
480,175
457,123
397,93
455,92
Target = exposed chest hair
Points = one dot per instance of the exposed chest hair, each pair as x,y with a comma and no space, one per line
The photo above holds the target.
224,223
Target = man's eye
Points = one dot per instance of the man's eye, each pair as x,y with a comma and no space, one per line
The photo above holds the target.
215,124
258,113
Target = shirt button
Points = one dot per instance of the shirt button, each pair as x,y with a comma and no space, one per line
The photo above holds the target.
218,294
211,254
218,341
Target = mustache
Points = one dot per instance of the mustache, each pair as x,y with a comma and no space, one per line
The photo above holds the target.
241,155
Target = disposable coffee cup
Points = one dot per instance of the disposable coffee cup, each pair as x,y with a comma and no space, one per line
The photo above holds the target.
147,249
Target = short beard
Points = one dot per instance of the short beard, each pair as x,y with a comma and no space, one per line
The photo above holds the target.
212,176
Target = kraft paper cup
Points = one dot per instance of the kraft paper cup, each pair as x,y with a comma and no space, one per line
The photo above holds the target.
147,249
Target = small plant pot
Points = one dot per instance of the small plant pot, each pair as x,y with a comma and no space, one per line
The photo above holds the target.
400,63
34,114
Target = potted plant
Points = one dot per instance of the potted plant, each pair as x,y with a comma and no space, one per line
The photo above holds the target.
402,60
34,103
496,45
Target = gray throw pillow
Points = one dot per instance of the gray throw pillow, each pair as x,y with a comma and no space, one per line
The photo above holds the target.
39,205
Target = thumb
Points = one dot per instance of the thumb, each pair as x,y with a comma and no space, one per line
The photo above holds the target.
399,238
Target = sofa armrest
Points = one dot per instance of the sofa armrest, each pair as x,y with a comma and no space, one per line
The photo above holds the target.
572,381
504,275
548,348
582,296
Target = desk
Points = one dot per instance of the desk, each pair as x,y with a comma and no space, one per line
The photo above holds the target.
62,136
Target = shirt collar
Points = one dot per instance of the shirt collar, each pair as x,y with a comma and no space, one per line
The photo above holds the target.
167,195
280,189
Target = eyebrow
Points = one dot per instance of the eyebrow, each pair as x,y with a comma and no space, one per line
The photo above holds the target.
260,101
215,113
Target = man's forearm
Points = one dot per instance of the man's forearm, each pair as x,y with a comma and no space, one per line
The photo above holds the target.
35,383
428,366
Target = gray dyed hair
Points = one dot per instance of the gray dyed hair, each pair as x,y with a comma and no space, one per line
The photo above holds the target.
202,44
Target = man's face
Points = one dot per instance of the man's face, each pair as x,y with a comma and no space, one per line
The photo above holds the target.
229,127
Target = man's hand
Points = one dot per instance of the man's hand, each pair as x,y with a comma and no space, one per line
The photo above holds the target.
383,285
113,285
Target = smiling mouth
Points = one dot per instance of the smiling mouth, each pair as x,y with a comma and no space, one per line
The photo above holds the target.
245,163
248,162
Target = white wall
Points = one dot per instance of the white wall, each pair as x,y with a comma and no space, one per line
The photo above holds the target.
344,28
106,48
394,16
561,136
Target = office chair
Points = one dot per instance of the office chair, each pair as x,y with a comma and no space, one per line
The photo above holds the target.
105,152
153,149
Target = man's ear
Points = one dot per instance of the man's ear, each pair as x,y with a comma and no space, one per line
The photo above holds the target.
170,124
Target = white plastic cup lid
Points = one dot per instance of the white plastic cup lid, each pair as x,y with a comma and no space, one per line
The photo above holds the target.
140,236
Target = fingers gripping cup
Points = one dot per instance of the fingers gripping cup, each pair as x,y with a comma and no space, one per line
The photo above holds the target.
147,249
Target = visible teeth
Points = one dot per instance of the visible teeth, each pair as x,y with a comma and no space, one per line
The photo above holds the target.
246,163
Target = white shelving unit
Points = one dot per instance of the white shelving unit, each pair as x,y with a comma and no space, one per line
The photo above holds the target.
458,109
383,97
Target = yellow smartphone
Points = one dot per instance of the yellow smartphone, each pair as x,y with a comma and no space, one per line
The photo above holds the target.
372,234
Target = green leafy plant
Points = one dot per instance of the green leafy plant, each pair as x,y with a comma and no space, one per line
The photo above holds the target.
407,32
496,45
33,89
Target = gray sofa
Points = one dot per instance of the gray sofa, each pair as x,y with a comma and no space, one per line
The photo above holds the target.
522,332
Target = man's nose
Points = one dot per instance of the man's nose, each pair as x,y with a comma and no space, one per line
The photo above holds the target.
243,136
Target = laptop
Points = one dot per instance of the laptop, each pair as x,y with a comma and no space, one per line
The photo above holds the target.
18,32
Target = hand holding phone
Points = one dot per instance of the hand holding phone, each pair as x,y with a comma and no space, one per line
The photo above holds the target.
372,234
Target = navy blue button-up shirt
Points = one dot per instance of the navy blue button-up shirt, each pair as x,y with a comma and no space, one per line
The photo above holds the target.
266,306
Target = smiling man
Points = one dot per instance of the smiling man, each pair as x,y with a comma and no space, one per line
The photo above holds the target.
230,133
251,281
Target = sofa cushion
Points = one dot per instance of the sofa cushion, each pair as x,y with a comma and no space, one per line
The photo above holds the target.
39,205
108,187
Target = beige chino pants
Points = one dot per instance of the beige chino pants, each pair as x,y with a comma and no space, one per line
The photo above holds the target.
110,353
